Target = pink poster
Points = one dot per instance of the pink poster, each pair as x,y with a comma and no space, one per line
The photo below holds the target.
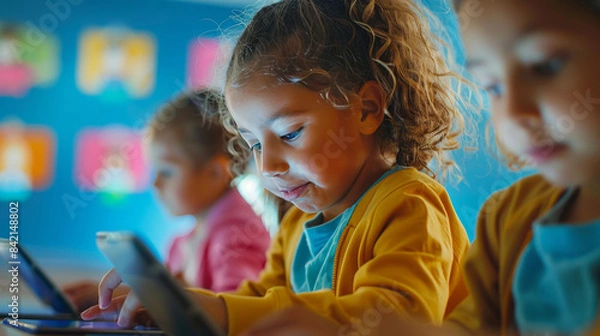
204,58
111,160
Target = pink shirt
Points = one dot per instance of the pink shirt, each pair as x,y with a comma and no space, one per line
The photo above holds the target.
230,247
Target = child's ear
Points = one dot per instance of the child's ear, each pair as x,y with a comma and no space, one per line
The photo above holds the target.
220,166
372,97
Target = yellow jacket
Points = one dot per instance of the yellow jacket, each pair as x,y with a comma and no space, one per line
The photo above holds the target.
503,232
400,252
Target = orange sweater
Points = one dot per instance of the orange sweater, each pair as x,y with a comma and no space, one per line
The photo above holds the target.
400,252
503,232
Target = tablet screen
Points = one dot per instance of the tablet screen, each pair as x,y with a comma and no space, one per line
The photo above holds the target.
35,278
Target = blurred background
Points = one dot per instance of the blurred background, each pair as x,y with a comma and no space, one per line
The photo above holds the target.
79,80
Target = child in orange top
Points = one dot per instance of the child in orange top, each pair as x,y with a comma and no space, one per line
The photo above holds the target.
343,104
534,268
228,243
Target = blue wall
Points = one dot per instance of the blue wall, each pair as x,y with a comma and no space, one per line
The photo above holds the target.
45,223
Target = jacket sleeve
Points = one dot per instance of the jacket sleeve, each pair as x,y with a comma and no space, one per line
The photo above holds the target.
406,269
237,252
481,309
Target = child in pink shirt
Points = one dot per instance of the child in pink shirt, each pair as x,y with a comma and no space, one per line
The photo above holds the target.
227,248
188,151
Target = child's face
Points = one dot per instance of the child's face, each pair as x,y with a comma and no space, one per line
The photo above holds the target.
306,151
538,60
184,188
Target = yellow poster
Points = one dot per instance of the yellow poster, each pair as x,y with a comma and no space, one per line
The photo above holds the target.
116,63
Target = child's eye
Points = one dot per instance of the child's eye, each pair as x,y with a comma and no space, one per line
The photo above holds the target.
292,135
494,89
549,67
257,146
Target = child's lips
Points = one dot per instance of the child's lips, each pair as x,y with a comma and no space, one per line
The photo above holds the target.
291,194
542,154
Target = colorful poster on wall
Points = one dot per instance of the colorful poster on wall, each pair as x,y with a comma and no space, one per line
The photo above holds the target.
26,160
28,57
116,63
206,63
111,161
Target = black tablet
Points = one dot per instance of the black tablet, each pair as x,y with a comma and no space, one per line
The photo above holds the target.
169,304
23,267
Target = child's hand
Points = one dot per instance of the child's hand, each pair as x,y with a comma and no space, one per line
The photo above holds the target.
110,281
126,310
294,321
83,294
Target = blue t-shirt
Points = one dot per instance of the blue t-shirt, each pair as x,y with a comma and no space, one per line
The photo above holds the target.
557,281
312,267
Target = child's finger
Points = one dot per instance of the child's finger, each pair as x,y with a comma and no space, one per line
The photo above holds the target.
127,313
107,285
111,312
94,312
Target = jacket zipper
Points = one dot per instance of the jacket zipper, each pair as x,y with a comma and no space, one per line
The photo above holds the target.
337,257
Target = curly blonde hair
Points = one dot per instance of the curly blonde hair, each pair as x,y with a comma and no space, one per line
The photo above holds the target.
335,46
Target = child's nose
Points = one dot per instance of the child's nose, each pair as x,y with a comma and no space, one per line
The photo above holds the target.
520,106
157,182
272,163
